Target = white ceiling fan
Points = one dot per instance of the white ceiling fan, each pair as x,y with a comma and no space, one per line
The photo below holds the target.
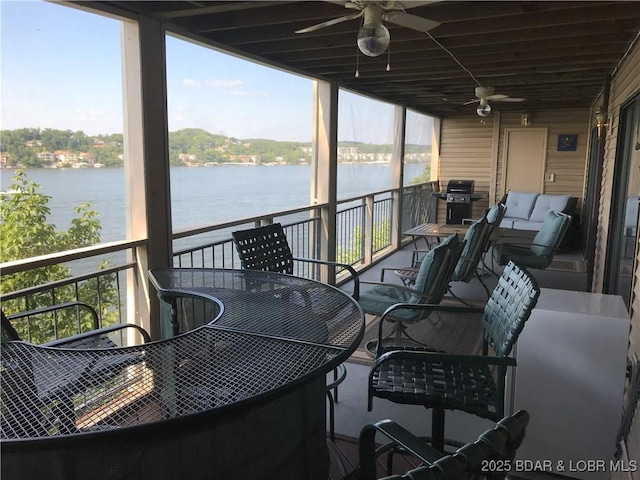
373,37
484,94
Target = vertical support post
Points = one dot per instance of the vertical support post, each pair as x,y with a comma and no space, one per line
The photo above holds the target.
368,230
397,180
325,171
146,150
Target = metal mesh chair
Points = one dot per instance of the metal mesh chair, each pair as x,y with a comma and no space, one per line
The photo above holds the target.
266,248
56,414
95,338
498,445
441,381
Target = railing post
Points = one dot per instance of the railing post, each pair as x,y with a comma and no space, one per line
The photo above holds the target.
368,233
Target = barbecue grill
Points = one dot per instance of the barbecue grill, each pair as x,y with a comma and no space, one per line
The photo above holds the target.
459,193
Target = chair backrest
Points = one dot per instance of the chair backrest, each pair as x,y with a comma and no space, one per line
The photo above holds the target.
508,308
496,446
496,213
476,243
264,248
436,271
9,333
547,240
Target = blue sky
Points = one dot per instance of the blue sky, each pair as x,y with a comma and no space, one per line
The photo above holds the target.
61,68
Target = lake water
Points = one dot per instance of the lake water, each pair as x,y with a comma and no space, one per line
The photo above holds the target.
200,196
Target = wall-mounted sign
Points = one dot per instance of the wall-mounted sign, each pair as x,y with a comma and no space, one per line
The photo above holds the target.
567,143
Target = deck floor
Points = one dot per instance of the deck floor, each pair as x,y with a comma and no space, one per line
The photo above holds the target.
351,409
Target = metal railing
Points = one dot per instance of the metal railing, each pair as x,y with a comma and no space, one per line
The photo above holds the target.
105,290
363,224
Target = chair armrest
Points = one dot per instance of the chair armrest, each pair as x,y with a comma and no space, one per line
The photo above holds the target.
394,286
349,268
60,306
398,435
96,338
414,355
431,308
385,269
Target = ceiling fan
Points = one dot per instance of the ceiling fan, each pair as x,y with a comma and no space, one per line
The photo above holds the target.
373,36
484,94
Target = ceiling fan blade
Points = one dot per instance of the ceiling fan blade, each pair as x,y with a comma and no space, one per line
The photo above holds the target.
497,96
509,99
329,23
403,5
471,101
410,21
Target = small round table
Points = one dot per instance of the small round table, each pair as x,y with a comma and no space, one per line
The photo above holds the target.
240,397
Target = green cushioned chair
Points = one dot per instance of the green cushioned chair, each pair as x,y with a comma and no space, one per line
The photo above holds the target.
431,283
472,383
538,254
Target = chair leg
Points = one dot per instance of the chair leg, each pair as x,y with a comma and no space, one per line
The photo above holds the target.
437,428
332,432
339,374
461,300
481,280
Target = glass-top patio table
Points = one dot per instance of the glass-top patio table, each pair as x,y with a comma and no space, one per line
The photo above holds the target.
241,396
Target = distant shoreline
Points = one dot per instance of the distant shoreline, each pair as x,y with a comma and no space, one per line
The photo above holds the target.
210,165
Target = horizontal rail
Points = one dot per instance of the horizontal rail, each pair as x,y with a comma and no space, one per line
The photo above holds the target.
16,266
189,232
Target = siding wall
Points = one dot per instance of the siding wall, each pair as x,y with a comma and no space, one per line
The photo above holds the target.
466,149
624,85
568,167
471,150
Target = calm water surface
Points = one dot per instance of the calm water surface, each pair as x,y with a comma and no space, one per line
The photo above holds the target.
199,196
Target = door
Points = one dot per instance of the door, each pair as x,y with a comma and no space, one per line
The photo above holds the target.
525,159
621,245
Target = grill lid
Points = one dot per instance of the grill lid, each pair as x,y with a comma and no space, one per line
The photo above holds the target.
460,186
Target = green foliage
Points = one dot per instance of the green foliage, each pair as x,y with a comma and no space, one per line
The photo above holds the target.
425,176
202,147
24,233
353,254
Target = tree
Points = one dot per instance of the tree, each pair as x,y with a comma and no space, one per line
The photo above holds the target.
24,233
424,177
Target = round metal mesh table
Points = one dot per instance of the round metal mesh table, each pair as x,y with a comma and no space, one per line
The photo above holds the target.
230,386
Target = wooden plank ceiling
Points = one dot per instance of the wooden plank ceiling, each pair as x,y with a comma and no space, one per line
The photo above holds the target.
554,54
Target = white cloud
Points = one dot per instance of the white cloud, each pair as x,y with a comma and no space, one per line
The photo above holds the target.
238,93
223,83
187,82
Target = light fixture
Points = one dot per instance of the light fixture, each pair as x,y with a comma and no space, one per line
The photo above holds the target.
373,36
526,119
484,109
601,121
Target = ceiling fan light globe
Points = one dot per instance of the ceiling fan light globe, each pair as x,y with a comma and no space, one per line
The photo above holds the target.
373,39
484,109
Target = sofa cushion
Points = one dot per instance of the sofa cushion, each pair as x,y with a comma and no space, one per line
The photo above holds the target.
525,225
520,204
544,240
548,203
495,213
507,222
